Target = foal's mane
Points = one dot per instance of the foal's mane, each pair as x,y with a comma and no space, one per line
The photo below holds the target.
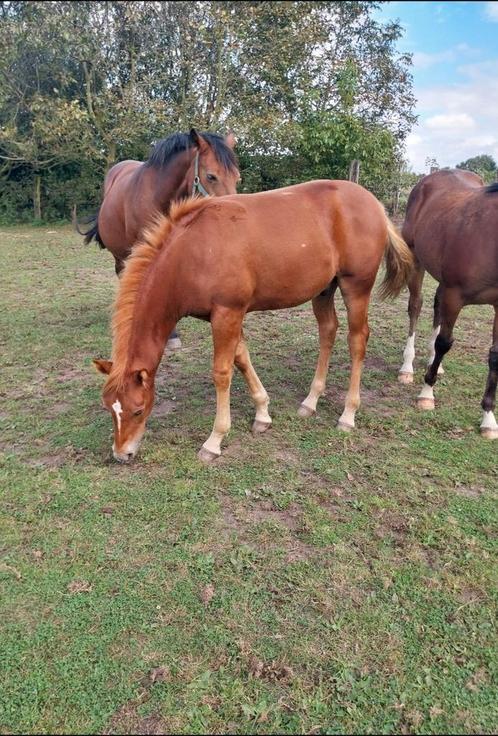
137,266
165,150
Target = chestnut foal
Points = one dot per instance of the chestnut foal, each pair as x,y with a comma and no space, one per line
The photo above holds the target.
217,259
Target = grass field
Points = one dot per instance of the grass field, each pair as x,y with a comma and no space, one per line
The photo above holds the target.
306,582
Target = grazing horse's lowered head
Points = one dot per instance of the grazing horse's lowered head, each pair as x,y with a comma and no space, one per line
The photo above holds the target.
129,402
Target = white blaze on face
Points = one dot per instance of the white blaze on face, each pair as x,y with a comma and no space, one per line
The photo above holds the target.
118,410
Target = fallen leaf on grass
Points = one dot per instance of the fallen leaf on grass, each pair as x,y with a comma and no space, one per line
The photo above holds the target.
9,568
79,586
158,674
207,594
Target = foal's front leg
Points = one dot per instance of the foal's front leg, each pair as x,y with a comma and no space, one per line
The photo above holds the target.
226,325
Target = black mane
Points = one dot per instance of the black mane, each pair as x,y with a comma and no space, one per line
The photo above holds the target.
166,149
492,188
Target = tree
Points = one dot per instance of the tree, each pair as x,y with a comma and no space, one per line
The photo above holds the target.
106,78
484,165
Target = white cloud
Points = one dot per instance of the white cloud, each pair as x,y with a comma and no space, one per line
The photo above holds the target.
450,121
457,120
491,11
421,60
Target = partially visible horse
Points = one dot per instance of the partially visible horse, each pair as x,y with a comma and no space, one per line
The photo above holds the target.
219,259
134,192
451,225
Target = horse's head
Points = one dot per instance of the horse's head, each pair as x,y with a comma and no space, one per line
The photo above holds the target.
130,403
214,168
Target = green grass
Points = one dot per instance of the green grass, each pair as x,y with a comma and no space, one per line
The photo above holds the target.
306,582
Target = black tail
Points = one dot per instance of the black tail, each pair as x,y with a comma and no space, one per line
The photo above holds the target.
93,231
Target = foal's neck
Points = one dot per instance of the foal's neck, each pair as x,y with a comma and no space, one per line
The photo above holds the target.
155,315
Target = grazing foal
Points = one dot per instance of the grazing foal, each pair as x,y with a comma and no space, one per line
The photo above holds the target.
451,225
217,259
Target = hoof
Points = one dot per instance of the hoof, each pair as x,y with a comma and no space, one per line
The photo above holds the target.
305,411
206,456
489,434
345,427
405,377
174,343
259,427
426,404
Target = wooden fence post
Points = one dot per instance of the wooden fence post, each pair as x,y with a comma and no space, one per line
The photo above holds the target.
354,171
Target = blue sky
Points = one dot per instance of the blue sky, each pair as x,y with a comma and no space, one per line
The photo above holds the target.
455,73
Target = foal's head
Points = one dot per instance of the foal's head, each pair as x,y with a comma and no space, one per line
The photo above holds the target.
130,402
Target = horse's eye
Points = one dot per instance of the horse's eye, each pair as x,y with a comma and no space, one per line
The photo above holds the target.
211,177
138,412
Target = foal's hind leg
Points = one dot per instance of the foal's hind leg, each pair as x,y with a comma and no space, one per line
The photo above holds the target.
405,374
357,306
262,421
489,425
324,309
451,305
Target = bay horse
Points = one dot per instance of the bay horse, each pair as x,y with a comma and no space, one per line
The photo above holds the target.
134,192
451,225
217,259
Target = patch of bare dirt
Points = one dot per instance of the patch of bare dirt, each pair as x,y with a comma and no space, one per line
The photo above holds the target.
54,460
164,407
469,491
393,525
238,522
60,407
127,721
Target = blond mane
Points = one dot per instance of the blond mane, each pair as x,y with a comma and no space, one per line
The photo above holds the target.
136,268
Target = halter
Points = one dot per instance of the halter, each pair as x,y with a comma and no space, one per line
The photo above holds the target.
197,186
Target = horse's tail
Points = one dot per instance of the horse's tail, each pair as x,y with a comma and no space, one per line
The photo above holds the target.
93,230
399,263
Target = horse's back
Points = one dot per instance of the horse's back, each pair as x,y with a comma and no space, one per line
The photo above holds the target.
451,224
298,237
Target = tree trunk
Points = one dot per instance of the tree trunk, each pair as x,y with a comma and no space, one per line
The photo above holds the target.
111,155
37,197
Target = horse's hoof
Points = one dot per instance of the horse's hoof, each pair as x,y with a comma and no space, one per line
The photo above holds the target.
405,377
344,427
174,343
426,404
206,456
489,434
259,427
305,411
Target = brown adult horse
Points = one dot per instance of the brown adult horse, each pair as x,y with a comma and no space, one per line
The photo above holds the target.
135,192
452,227
218,260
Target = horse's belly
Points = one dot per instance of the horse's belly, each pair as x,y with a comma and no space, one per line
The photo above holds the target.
294,279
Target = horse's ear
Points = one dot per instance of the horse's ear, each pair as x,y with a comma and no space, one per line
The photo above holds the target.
197,139
143,378
103,366
230,139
